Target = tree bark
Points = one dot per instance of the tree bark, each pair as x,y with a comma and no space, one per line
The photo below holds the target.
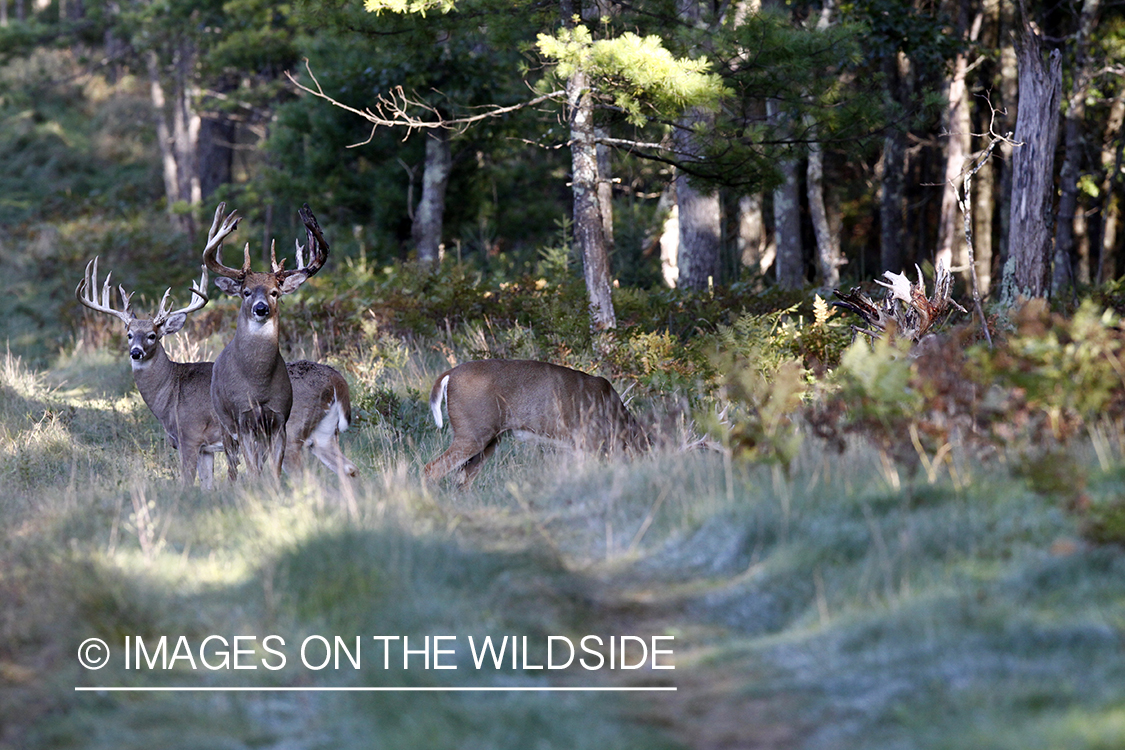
605,189
828,258
587,213
1027,272
752,234
1009,105
958,129
426,230
790,261
892,202
216,153
1110,205
1074,144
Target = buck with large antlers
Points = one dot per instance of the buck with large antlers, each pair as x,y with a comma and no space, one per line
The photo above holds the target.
487,398
177,393
251,391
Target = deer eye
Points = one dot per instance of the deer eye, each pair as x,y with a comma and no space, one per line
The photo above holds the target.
274,294
246,293
152,337
129,336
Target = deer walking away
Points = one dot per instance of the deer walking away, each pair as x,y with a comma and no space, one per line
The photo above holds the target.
533,400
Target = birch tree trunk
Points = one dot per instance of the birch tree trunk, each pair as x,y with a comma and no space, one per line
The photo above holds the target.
605,189
426,230
1074,133
588,231
1027,272
958,130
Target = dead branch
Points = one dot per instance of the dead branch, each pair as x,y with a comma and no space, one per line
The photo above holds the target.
393,110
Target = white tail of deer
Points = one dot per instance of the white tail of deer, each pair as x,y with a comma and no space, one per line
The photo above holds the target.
250,387
487,398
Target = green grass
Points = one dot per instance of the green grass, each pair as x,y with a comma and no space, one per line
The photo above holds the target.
843,607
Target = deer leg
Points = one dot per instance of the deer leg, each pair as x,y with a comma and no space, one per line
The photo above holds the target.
230,449
188,453
472,466
453,458
206,467
276,431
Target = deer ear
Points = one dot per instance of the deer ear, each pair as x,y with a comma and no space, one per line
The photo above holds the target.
228,285
174,323
290,283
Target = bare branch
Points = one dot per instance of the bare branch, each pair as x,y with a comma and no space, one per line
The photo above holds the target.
393,110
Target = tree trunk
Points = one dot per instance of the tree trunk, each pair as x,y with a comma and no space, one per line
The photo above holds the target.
605,189
790,262
958,128
1110,207
169,164
891,202
752,234
426,230
1027,271
185,129
216,153
587,213
828,258
1009,106
1074,145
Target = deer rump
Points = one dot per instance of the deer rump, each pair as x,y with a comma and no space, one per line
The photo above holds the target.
321,410
534,401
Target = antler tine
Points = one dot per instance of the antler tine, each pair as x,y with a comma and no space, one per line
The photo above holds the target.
316,245
274,266
87,294
162,311
199,300
221,227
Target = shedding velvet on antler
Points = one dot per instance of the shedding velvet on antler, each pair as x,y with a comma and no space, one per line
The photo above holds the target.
907,307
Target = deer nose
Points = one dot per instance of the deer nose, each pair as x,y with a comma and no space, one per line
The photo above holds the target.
261,309
136,352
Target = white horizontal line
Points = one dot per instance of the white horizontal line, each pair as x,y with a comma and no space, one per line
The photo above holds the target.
490,689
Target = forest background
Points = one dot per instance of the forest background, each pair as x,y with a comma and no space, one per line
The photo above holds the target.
852,546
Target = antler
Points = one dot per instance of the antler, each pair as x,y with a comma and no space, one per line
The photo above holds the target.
317,247
86,292
919,313
222,226
198,302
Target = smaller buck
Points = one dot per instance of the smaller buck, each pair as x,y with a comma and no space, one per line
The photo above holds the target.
177,393
251,391
534,400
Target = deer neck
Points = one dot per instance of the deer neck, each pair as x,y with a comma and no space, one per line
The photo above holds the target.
155,379
256,345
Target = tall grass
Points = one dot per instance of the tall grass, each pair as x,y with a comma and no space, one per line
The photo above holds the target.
851,603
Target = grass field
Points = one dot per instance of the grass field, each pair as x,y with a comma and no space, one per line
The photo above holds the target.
847,604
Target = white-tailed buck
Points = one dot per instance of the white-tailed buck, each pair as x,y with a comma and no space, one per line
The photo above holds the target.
487,398
179,393
250,387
